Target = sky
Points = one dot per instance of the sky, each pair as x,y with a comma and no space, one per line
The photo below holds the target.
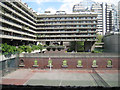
55,5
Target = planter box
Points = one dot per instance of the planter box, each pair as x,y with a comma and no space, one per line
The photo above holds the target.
109,66
94,66
64,66
49,66
35,65
78,66
21,65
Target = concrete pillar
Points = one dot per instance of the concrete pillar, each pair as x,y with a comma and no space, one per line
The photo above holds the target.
89,46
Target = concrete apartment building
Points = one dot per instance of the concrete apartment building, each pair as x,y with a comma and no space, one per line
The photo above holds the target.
20,25
119,14
107,15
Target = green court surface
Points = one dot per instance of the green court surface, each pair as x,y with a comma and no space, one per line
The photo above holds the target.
66,77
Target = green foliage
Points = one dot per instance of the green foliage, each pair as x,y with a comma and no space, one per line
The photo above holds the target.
76,46
35,62
79,62
96,51
100,38
28,49
64,62
94,62
41,47
8,49
21,49
35,47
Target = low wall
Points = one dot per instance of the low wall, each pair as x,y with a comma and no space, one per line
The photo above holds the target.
72,62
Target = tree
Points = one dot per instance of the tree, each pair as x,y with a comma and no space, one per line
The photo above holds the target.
76,46
40,47
28,49
8,49
100,38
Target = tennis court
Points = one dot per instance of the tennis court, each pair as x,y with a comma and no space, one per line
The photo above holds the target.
64,77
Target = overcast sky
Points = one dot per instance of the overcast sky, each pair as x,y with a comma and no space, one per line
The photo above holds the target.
54,5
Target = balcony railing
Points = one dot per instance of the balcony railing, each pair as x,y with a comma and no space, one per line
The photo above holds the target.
16,12
67,36
66,40
8,15
60,24
16,31
16,37
68,28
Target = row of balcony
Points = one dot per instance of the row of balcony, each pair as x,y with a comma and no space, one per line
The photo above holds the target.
16,31
22,11
34,15
16,37
18,20
16,25
66,40
67,15
60,24
9,9
67,20
66,36
67,28
44,32
28,39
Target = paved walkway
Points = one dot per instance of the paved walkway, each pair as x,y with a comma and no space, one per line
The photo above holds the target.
60,77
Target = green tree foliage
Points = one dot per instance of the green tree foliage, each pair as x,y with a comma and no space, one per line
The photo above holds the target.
34,47
28,49
100,38
76,46
8,49
40,47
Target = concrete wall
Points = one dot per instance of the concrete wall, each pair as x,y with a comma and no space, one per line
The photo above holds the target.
72,62
112,43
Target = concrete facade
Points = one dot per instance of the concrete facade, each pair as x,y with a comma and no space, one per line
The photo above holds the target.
21,25
112,43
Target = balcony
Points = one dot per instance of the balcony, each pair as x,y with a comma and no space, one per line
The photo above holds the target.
67,20
66,40
21,10
16,13
18,20
16,31
44,32
67,28
60,24
10,23
16,37
16,25
46,36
